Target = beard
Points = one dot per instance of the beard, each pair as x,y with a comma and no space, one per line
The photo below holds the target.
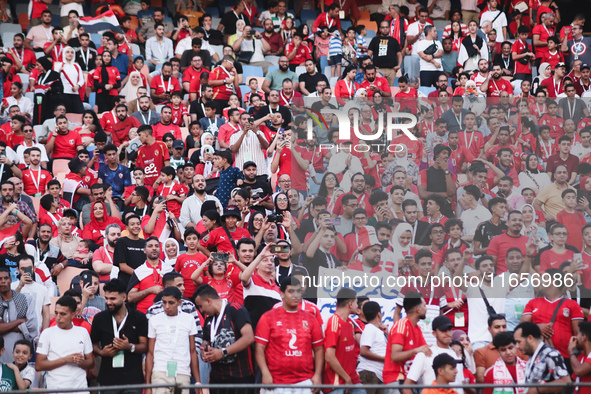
8,199
249,178
116,308
200,190
283,68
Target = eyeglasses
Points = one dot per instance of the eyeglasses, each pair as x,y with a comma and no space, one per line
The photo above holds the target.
352,205
282,200
331,178
285,181
360,218
27,131
258,220
438,232
561,234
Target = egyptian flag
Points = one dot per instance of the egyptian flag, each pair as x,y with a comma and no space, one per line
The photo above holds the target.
105,21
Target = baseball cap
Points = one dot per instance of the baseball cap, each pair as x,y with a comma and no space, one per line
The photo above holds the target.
562,65
585,66
441,323
178,144
367,237
249,164
444,359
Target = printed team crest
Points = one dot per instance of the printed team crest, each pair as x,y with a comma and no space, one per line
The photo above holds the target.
305,324
71,142
206,238
566,312
120,175
157,153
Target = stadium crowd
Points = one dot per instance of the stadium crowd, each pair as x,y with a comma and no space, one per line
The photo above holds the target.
166,196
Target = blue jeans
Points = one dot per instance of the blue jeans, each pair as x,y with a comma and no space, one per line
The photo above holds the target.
204,368
323,63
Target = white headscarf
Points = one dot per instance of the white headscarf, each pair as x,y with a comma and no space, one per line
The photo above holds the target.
400,252
130,90
168,262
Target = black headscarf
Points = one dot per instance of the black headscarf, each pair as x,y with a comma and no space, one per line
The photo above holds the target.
468,45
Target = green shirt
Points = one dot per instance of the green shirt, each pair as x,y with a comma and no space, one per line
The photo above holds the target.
8,380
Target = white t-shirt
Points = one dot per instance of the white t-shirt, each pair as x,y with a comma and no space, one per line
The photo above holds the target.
20,151
421,370
57,343
425,65
473,217
477,313
498,24
413,30
40,296
376,340
171,346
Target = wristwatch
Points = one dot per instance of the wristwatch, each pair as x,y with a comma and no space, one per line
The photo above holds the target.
225,352
132,348
446,172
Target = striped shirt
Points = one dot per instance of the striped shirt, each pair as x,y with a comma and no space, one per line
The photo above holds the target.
335,45
250,150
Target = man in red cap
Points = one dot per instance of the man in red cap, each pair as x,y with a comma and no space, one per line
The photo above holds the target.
370,250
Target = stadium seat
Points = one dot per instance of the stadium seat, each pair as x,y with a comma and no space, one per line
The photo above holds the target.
363,15
191,151
10,27
92,99
23,20
272,68
213,11
252,71
23,9
370,34
426,90
8,38
96,38
30,95
272,59
135,49
134,22
327,71
308,14
184,133
64,279
54,8
346,24
260,29
215,21
300,70
60,166
219,49
24,79
56,20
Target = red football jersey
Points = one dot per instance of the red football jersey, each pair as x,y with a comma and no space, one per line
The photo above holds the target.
541,311
410,337
289,338
219,239
186,264
35,182
340,335
550,259
151,158
176,189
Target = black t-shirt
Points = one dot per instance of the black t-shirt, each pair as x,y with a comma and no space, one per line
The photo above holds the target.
237,365
10,262
214,37
486,231
229,21
188,56
129,252
262,188
284,111
197,108
318,106
385,51
311,81
137,211
136,326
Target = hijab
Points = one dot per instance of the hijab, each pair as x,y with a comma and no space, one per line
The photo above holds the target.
130,90
399,251
46,63
63,237
403,161
170,262
542,69
105,72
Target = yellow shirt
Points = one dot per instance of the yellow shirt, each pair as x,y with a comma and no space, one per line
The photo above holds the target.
551,197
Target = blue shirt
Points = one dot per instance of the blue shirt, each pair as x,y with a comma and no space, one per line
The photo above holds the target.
118,179
122,64
228,179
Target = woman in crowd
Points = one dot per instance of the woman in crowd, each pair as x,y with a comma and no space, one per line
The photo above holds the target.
72,78
533,177
171,252
134,82
328,185
48,90
255,224
67,242
16,98
531,227
99,220
106,82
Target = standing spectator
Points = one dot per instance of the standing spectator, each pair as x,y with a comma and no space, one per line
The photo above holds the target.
146,280
65,350
522,54
229,175
120,336
73,81
223,79
577,48
145,114
446,371
386,53
373,344
549,200
429,50
37,292
249,145
227,337
152,155
158,48
107,81
497,18
499,245
19,320
405,340
306,359
545,364
341,347
172,361
540,34
473,49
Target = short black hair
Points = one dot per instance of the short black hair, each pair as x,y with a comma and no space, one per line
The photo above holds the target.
170,277
115,286
503,339
172,292
67,301
206,291
529,328
344,296
371,309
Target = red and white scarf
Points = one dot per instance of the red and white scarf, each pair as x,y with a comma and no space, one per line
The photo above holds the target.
501,375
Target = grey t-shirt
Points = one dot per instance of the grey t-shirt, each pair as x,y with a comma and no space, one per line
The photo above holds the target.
276,78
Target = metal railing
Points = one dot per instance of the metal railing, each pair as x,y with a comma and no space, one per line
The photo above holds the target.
179,387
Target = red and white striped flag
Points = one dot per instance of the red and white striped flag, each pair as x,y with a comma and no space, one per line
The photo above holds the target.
105,21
